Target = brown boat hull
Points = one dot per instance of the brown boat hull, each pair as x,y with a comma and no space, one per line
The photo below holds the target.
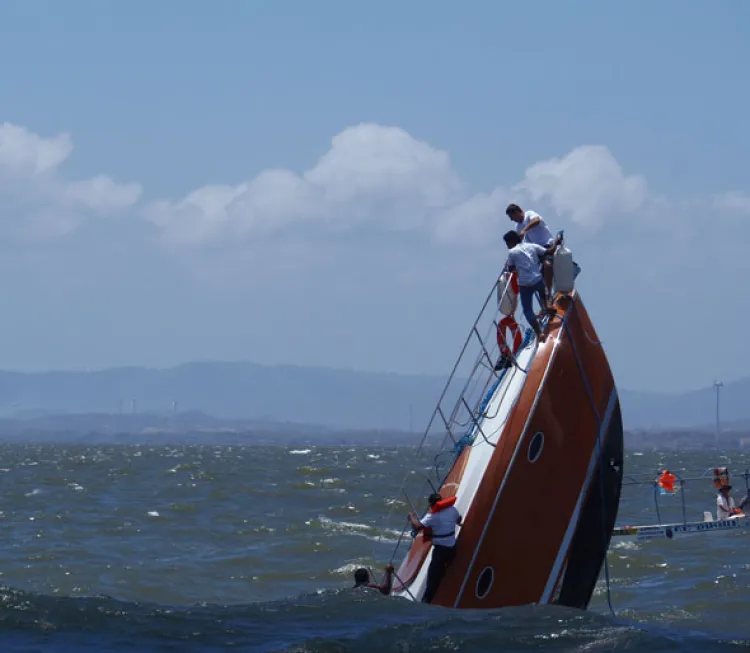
537,527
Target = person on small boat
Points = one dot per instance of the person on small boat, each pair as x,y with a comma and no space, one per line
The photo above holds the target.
525,257
725,506
532,228
362,580
666,482
439,525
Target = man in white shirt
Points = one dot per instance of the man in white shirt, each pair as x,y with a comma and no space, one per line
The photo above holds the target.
442,522
525,258
725,506
533,229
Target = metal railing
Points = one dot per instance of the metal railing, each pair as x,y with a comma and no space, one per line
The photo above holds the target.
652,479
456,420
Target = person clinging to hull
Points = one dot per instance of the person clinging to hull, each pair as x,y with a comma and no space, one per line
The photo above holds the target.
525,258
532,228
439,525
362,580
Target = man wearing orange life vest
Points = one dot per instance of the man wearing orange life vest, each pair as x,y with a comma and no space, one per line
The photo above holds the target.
439,525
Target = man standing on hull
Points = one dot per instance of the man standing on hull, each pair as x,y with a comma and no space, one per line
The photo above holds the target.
442,520
533,229
525,259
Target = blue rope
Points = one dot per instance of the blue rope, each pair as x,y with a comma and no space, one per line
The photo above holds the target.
468,438
471,434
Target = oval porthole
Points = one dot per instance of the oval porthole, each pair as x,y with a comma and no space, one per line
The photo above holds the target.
535,447
484,582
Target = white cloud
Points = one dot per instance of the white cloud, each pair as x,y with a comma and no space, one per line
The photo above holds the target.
371,175
36,201
199,216
369,162
733,201
381,178
101,194
23,152
375,183
471,221
588,184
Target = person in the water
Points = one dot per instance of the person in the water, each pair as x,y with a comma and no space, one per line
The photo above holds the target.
362,580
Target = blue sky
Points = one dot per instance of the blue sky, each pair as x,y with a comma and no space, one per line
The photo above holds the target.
324,183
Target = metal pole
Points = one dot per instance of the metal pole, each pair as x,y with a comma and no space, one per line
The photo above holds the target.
718,385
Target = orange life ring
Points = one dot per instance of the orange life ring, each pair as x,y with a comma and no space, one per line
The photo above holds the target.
514,281
515,331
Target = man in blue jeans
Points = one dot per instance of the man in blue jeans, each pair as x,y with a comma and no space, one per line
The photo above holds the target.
533,229
526,259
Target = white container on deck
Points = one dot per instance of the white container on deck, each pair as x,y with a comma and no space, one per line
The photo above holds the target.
563,270
507,298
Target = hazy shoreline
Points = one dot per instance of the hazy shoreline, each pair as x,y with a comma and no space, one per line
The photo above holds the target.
199,428
244,392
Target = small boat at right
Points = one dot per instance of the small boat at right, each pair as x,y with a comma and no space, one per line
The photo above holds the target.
729,516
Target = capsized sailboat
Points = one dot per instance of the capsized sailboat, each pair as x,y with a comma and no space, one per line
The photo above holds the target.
530,446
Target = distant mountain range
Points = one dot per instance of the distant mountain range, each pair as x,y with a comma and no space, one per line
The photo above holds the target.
305,395
688,409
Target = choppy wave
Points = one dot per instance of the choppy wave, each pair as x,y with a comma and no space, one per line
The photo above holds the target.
325,622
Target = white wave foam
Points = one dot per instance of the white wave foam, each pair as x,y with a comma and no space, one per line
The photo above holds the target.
628,545
362,530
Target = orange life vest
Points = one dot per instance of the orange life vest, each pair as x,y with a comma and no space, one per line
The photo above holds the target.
441,505
667,480
438,506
